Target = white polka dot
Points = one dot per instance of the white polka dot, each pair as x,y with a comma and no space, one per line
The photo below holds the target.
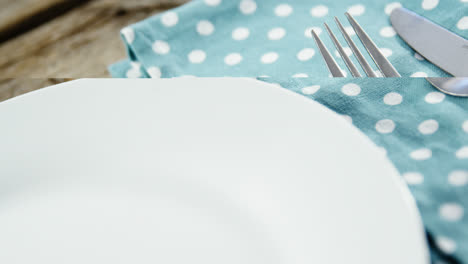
348,118
308,31
240,33
434,97
387,32
233,59
464,1
247,7
463,23
197,56
386,52
347,51
421,154
462,153
465,126
390,7
154,72
350,31
429,4
205,28
419,75
283,10
385,126
276,33
134,71
161,47
418,57
310,89
447,245
451,212
212,2
351,89
458,178
393,98
269,57
305,54
128,34
300,75
413,178
357,10
428,127
319,11
169,19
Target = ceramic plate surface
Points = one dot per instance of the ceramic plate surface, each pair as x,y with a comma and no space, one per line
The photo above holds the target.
195,171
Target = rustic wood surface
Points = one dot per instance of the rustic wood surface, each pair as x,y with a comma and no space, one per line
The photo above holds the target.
19,16
80,42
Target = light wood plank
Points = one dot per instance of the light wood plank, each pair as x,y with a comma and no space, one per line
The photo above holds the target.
81,43
19,16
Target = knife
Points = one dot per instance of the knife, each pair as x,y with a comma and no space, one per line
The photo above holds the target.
438,45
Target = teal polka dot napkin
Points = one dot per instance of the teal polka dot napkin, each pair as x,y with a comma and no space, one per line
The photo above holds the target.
423,132
261,37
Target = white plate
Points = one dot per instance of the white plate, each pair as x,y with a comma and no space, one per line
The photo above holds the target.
195,171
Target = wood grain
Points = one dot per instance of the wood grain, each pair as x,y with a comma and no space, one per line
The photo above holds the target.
19,16
81,43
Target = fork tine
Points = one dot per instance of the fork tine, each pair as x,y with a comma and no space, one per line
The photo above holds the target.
382,63
342,53
364,64
333,67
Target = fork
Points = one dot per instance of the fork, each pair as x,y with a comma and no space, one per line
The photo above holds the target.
384,66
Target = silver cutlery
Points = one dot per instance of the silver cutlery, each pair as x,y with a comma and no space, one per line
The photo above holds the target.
384,66
456,86
440,46
435,43
445,49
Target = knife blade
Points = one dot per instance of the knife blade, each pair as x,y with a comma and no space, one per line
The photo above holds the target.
438,45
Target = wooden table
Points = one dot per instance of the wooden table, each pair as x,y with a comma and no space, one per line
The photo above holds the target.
44,42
